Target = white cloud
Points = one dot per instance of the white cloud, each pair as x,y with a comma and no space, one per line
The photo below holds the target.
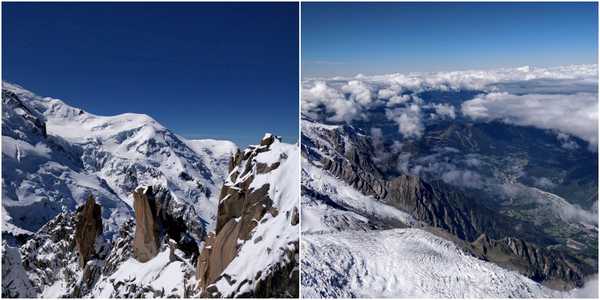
378,144
408,120
444,110
484,79
396,100
571,213
462,178
566,141
575,114
386,93
561,98
322,96
359,92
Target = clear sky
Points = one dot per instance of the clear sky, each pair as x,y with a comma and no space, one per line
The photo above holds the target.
204,70
378,38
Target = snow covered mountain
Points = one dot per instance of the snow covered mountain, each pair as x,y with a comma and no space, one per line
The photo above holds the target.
120,206
53,155
457,176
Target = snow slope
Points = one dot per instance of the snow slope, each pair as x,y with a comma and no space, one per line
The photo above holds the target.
403,263
353,209
343,257
160,273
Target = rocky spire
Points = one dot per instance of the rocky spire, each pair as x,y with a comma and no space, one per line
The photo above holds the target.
239,209
146,240
89,226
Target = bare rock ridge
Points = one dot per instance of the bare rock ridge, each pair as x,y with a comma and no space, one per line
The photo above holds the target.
146,240
555,269
89,227
241,208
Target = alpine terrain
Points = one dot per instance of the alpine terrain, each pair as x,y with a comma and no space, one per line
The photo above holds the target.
455,184
120,206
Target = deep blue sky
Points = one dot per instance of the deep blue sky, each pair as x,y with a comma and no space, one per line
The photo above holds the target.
376,38
226,71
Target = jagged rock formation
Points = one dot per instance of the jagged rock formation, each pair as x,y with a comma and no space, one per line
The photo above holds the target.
15,283
554,268
89,227
160,219
47,257
245,204
47,265
239,207
146,241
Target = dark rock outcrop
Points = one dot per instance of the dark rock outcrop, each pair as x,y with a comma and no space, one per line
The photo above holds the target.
267,140
553,268
146,240
88,228
27,121
240,209
160,219
281,282
295,216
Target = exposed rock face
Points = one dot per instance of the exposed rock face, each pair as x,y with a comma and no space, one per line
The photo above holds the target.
28,120
267,140
15,283
47,257
434,203
89,227
281,282
159,218
239,208
553,268
48,260
146,240
242,207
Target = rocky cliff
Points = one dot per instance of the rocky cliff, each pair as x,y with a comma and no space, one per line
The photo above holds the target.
71,256
256,227
555,269
87,230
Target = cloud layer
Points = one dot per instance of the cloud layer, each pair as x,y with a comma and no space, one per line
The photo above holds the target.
575,114
561,98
